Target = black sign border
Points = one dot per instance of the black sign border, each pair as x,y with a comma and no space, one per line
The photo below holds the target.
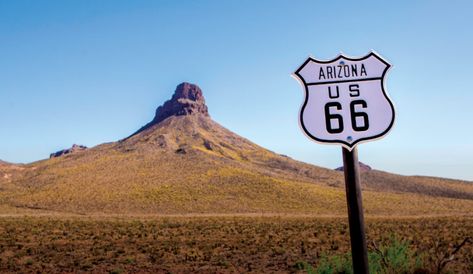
350,146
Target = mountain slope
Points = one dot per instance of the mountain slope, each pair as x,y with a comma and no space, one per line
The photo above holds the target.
184,162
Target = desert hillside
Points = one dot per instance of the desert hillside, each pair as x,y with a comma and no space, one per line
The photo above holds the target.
183,162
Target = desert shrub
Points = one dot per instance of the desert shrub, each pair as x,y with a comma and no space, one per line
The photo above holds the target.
328,265
305,266
396,257
335,264
393,258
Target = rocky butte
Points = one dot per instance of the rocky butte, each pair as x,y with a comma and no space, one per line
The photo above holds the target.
187,99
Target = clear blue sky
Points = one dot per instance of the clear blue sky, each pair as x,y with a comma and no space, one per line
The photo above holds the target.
90,72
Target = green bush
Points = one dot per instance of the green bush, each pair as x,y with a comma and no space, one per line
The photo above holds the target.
335,264
394,258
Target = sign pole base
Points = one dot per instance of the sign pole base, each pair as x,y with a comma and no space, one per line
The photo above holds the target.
356,220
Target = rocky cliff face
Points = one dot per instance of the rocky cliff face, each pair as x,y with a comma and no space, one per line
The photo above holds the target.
187,100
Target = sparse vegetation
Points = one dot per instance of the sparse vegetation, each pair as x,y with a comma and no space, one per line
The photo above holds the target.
395,258
144,175
225,244
333,264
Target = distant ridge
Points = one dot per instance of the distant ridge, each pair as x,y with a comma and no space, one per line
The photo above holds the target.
75,148
363,167
4,163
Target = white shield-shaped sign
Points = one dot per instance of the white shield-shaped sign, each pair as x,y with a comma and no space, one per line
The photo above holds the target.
345,100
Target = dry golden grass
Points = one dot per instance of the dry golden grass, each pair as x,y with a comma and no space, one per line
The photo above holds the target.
190,164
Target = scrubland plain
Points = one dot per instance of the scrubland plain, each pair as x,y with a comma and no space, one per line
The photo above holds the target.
218,244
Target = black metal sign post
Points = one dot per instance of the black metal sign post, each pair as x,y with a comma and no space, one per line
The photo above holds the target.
359,251
346,103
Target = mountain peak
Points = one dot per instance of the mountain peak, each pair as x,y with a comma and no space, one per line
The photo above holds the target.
188,91
187,99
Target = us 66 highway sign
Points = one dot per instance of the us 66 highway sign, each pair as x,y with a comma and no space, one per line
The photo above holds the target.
345,100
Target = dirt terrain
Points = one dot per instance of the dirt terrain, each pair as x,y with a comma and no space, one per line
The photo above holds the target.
223,244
